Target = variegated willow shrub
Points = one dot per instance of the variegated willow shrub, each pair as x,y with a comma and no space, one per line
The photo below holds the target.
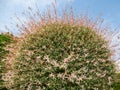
63,57
66,53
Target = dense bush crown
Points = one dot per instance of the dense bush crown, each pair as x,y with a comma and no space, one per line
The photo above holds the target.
63,57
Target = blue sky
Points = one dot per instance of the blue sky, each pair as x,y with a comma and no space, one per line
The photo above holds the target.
108,9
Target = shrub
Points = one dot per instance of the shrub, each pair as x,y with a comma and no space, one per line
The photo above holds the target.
63,57
61,53
4,40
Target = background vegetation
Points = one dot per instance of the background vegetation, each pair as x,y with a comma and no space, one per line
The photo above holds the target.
5,39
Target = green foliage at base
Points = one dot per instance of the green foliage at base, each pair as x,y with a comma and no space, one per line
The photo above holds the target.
4,40
116,85
63,57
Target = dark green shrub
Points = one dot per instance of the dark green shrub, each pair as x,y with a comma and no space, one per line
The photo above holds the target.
4,40
63,57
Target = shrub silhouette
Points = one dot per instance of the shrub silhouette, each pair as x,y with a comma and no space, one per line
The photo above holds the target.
62,53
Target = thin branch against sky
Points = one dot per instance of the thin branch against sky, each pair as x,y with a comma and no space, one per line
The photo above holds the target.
109,9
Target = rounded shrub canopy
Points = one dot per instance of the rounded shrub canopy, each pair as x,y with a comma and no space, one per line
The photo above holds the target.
59,51
63,57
